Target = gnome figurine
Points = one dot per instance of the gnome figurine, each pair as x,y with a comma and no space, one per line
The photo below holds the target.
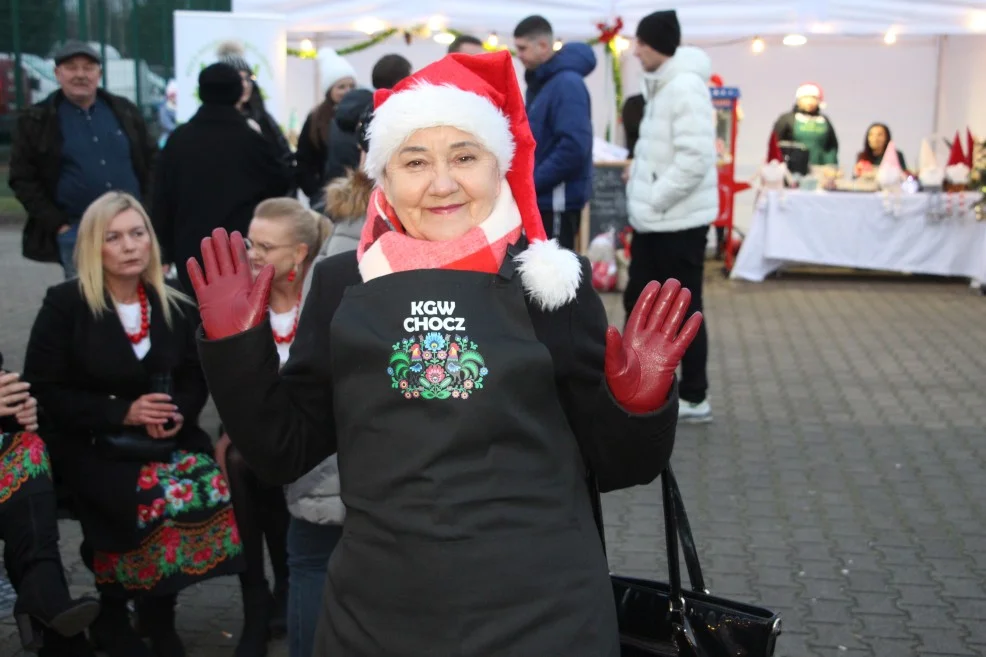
773,173
890,176
931,177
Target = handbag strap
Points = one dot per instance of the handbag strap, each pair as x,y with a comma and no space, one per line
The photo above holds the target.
688,547
671,540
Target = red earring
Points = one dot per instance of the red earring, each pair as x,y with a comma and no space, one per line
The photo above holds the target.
291,276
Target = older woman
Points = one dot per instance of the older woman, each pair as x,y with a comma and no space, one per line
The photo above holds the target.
30,534
154,506
461,366
287,236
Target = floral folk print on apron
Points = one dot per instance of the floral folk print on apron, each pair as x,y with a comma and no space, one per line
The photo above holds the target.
436,365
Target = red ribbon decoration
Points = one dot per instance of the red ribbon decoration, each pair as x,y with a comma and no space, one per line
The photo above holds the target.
608,33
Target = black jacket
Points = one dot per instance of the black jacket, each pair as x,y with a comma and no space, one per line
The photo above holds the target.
311,158
344,153
85,375
283,421
35,166
320,165
212,173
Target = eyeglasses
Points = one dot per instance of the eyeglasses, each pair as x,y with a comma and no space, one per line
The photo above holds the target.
263,249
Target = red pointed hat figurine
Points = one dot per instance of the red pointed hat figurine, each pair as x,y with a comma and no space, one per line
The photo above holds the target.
957,155
480,95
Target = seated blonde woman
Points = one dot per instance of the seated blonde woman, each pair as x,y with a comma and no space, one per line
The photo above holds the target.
102,355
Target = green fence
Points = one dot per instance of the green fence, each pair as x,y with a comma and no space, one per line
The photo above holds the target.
135,37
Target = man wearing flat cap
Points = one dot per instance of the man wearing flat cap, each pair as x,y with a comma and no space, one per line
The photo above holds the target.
72,147
672,189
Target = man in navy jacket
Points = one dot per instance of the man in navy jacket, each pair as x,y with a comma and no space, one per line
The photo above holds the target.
558,109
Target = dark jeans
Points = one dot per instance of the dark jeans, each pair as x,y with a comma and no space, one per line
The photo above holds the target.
680,255
309,549
66,250
563,226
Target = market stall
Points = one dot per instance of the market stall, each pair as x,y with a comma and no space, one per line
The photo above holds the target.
920,233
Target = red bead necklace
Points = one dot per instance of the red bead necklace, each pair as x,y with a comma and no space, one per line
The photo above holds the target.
145,325
289,337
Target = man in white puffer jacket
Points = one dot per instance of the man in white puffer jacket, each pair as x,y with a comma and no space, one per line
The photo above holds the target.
672,190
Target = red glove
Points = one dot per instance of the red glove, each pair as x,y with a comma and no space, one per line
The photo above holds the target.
640,365
230,301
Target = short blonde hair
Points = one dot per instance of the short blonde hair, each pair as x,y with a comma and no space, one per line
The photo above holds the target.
307,226
89,254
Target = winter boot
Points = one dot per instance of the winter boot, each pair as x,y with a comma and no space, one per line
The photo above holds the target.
31,554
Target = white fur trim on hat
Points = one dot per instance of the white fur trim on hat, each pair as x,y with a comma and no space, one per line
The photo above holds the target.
550,274
430,106
809,90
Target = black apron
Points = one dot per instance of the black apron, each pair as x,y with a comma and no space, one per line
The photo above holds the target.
469,529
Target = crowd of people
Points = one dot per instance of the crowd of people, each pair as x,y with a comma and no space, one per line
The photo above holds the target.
414,375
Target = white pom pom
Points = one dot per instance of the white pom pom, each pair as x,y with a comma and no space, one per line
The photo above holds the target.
550,274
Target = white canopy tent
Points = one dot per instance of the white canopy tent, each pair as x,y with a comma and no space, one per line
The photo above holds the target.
928,84
576,19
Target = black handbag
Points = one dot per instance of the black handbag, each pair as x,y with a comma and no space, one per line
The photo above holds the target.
135,447
662,619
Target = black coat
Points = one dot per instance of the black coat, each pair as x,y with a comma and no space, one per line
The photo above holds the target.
295,406
36,164
85,375
213,171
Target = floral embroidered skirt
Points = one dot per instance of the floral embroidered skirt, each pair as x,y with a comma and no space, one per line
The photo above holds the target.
24,466
186,528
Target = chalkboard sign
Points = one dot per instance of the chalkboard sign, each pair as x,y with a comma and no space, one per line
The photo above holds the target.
608,208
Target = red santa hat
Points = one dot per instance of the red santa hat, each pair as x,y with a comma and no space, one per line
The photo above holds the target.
811,89
480,95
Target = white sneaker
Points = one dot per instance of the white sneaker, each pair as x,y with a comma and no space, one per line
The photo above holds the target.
692,413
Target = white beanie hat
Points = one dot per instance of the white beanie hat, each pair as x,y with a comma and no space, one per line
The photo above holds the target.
332,68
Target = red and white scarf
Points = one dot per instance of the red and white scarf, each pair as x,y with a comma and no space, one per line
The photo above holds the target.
385,247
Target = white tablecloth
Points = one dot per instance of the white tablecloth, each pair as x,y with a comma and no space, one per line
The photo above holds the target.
848,229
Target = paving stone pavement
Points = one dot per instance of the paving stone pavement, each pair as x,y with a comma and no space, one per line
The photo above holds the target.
840,484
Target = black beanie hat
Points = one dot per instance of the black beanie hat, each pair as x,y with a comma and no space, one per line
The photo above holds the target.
220,84
660,31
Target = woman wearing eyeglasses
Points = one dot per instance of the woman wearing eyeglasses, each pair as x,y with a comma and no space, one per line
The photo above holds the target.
286,235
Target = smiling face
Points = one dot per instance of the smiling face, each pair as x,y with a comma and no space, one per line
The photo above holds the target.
126,245
79,78
441,183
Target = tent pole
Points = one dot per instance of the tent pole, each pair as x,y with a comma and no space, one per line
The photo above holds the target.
939,74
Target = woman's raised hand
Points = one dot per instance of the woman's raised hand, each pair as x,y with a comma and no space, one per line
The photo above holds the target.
230,301
640,364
